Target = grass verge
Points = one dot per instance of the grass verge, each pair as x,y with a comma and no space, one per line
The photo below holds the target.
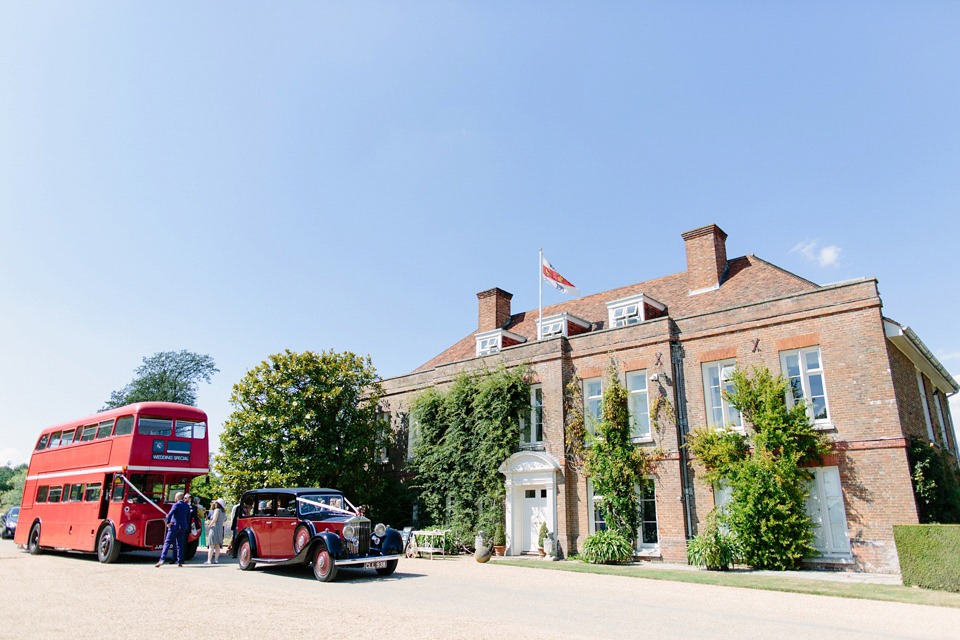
747,580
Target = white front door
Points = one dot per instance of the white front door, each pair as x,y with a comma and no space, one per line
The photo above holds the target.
534,512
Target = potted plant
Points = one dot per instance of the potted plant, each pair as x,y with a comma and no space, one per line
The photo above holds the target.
499,539
540,537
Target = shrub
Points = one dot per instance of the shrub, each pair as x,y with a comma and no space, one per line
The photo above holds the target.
499,536
606,547
713,548
929,555
542,534
935,484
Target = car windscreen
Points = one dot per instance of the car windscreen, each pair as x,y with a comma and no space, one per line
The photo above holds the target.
314,505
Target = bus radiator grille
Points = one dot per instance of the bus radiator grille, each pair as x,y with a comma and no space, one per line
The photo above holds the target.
156,532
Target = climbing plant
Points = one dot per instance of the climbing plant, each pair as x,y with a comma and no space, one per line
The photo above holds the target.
464,434
613,463
767,510
935,483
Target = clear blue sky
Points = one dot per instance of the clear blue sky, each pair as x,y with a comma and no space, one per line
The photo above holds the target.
241,178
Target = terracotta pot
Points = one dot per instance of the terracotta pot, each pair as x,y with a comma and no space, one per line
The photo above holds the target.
498,550
541,551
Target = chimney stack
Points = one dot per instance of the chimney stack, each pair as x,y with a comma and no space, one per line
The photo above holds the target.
706,258
494,309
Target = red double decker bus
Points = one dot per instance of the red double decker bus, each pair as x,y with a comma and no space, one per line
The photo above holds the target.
104,483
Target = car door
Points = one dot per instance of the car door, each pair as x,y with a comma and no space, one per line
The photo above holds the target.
284,523
262,524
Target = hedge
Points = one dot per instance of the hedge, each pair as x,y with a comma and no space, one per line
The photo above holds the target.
929,555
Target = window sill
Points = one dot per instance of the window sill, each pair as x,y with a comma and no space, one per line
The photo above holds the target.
652,552
642,440
533,446
824,426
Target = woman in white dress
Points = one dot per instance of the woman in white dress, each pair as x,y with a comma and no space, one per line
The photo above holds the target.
215,520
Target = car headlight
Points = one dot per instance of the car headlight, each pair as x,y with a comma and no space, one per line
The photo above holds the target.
130,529
380,529
349,532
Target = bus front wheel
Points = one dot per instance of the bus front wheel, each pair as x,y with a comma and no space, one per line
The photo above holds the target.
33,541
108,549
191,550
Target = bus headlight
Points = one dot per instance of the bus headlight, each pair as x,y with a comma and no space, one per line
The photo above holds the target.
380,529
130,529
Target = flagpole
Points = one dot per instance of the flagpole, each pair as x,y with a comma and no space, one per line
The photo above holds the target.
540,285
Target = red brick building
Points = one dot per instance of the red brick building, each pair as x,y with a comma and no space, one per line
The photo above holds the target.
869,383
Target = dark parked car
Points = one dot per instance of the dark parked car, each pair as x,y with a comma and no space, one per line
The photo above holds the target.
8,526
311,526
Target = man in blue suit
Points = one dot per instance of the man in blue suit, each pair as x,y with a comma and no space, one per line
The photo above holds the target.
177,523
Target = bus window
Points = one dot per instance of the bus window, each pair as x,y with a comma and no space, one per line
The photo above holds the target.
173,488
76,493
155,426
124,426
150,484
118,486
104,429
42,493
89,432
92,493
43,442
54,495
55,439
66,438
189,429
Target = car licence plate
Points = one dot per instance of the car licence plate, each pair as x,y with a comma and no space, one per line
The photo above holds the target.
379,564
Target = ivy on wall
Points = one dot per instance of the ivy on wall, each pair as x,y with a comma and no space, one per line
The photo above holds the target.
767,510
935,484
464,434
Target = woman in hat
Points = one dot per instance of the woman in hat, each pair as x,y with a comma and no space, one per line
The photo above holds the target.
215,520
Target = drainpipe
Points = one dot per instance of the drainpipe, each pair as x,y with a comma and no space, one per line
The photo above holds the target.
676,358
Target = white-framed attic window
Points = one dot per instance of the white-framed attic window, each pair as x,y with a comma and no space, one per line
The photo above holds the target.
561,324
632,310
490,342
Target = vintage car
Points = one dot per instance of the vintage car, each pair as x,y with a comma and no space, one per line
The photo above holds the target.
310,526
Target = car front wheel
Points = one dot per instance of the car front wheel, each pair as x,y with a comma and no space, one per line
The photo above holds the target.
323,566
245,556
390,568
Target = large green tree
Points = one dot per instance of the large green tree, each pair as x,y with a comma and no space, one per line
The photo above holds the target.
167,376
12,480
304,419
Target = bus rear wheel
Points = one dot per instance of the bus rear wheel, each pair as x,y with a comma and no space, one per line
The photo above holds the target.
108,549
33,541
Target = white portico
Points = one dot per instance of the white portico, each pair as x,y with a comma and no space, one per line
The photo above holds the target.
531,493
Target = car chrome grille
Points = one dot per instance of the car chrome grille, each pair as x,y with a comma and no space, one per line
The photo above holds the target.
361,545
156,532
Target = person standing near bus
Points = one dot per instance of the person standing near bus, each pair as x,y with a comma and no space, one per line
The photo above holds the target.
177,524
215,531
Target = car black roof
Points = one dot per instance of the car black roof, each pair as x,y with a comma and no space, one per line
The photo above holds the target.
296,491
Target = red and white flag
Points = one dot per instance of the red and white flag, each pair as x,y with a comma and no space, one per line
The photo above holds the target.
552,277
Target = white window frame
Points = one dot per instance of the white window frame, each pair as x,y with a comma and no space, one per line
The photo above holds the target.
647,548
491,342
383,453
592,418
559,325
533,426
804,377
730,416
594,501
835,541
639,422
926,407
412,436
629,311
943,424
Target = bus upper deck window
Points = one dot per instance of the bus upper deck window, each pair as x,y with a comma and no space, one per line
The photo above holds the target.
191,429
124,426
43,442
155,426
104,429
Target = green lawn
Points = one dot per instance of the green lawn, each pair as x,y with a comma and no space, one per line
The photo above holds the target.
748,580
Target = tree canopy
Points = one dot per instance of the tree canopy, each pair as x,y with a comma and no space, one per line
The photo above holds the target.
167,376
12,480
304,419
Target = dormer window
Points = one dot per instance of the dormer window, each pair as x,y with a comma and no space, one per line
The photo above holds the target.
633,310
490,342
562,324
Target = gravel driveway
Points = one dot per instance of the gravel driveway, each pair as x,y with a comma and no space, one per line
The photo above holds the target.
60,595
